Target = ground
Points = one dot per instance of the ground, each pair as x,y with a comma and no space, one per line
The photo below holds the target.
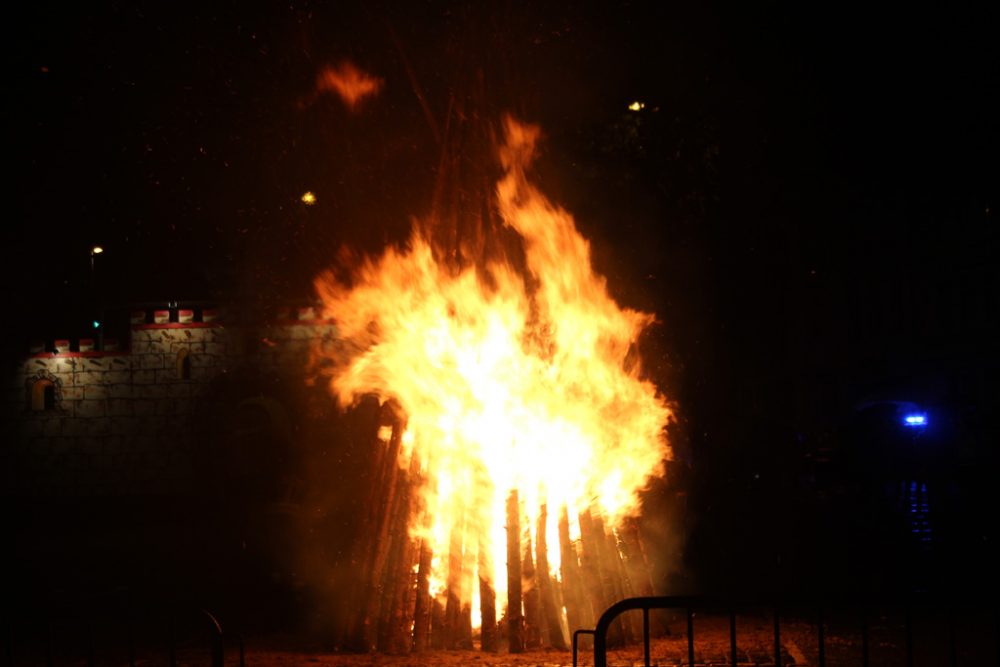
975,644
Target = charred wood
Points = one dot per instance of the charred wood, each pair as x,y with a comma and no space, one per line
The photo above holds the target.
437,624
515,630
487,601
552,634
572,587
422,603
529,592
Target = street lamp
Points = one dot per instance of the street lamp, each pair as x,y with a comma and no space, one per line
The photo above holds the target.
97,322
94,252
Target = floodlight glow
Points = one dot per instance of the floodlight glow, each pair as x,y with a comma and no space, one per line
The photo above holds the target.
915,419
97,250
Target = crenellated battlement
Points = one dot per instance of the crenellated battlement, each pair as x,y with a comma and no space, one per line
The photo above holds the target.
158,318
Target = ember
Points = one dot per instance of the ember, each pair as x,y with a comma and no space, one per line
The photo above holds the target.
520,432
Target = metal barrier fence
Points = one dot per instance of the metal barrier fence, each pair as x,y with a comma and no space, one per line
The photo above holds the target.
689,604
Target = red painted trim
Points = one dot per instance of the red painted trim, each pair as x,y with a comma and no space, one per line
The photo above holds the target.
179,325
92,353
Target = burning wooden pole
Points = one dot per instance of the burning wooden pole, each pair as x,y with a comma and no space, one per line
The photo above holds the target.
487,600
364,426
400,612
529,592
453,606
515,629
639,571
463,635
551,627
619,584
596,572
572,587
399,618
422,604
395,577
364,633
588,566
437,625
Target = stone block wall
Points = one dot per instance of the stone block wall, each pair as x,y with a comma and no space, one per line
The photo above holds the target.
119,422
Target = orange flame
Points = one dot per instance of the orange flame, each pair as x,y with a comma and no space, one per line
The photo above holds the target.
509,382
347,81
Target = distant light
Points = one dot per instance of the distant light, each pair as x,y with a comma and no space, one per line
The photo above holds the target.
915,419
96,250
308,198
637,106
97,324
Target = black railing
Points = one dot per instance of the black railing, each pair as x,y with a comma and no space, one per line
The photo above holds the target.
689,604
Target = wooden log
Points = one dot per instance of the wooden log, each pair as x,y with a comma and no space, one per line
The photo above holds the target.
631,623
366,630
400,640
638,567
588,567
422,602
403,607
386,548
437,624
464,638
425,557
529,592
569,569
453,604
487,599
552,634
599,584
463,634
394,579
611,573
363,427
388,590
515,630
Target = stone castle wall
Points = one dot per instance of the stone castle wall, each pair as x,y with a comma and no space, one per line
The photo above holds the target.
121,421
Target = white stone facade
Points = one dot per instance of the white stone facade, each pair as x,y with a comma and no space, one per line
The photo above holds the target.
119,422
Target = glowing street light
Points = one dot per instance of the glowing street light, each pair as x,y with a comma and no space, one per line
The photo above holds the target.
96,297
308,198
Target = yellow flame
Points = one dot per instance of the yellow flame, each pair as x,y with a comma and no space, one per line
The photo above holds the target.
637,106
509,381
308,198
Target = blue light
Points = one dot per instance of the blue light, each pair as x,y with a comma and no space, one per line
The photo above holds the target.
915,420
97,324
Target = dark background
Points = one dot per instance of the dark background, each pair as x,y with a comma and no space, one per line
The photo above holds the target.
807,201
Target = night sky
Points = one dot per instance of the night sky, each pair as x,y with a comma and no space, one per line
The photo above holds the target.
784,157
807,201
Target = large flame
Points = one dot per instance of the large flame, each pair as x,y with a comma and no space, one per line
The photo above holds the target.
508,381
